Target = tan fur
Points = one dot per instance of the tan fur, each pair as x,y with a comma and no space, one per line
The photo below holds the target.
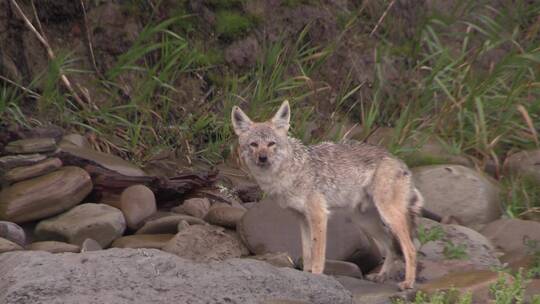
314,180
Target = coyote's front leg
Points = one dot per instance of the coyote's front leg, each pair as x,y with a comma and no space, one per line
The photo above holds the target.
317,216
305,233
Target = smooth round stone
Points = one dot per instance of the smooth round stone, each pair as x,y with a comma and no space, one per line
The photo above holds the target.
44,196
197,207
76,140
7,245
137,203
205,243
278,259
524,163
11,161
26,172
156,241
90,245
267,228
99,222
183,224
168,224
54,247
109,161
32,145
453,190
511,235
225,216
12,232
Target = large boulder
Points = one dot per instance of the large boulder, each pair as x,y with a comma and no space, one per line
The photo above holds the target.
457,248
513,236
100,222
459,191
152,276
267,228
204,243
44,196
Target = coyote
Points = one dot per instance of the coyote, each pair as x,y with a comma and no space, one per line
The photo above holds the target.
313,180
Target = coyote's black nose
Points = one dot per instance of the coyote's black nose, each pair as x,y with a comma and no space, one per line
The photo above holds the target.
263,158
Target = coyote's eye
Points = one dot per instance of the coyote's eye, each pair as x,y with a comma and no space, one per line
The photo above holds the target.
271,143
254,144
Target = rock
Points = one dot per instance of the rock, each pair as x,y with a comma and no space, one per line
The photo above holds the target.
267,228
156,241
90,245
476,282
524,163
243,53
168,224
33,145
7,245
471,250
369,292
44,196
108,161
76,140
119,274
512,235
342,268
12,232
278,259
26,172
12,161
54,247
45,131
206,243
225,216
197,207
100,222
459,191
183,224
137,203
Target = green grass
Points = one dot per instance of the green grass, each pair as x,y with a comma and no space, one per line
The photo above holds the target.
232,24
449,86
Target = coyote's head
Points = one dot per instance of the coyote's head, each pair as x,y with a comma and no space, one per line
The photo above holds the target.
263,145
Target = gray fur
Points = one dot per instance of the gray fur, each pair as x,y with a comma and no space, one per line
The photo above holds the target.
347,175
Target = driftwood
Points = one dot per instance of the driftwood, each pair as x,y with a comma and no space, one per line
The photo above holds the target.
107,181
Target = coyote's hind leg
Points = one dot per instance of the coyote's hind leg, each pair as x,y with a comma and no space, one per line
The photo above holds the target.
391,194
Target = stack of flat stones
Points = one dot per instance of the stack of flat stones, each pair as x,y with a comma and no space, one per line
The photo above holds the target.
35,185
45,205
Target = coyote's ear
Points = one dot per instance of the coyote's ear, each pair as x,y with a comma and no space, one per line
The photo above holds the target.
282,117
240,121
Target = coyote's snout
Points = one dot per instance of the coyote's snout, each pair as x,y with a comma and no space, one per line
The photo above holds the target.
313,180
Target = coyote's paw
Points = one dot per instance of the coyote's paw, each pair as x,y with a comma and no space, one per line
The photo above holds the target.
405,285
377,277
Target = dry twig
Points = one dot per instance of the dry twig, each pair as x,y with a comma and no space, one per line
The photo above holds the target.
382,18
50,52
